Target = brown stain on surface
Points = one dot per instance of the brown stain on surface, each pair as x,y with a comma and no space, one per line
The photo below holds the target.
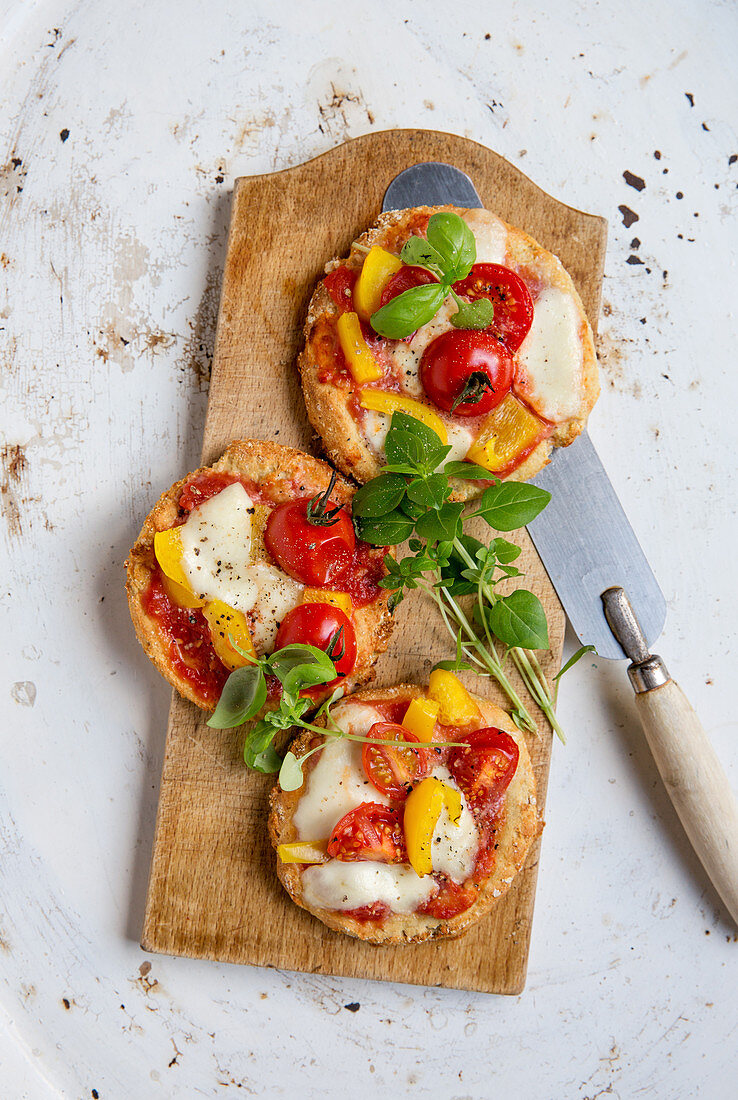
14,464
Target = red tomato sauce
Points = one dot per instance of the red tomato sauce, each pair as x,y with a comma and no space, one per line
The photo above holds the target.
189,649
378,911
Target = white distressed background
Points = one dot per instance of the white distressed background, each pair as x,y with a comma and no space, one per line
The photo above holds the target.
122,127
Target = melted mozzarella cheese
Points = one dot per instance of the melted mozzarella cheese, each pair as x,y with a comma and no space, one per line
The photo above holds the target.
454,847
338,783
343,885
490,236
551,357
217,561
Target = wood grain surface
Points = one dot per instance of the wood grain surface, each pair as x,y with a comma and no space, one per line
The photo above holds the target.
213,892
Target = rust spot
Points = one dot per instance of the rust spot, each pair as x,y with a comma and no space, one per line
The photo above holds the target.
634,181
4,260
13,460
629,216
144,968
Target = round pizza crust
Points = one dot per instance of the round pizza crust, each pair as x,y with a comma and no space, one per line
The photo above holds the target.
257,461
520,827
328,406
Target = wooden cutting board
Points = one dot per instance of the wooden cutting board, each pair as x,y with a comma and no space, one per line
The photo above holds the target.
212,891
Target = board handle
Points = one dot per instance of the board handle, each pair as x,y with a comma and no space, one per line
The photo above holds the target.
696,783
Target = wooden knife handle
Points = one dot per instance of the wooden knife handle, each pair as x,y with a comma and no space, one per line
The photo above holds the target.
696,783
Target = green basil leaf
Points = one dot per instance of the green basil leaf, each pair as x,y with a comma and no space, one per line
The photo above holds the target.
428,452
379,496
298,655
243,695
308,676
512,504
441,525
519,620
419,253
452,666
409,311
268,761
389,530
505,551
258,740
468,470
290,773
454,241
430,492
576,657
474,315
404,447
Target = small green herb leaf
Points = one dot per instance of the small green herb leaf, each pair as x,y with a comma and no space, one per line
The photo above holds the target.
388,530
511,504
473,315
429,492
453,240
505,551
290,773
574,658
243,695
468,470
258,740
519,620
409,311
268,761
379,496
419,253
441,525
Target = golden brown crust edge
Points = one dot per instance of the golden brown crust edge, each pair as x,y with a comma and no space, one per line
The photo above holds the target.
258,460
326,406
520,828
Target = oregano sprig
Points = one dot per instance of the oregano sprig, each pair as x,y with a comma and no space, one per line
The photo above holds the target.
449,252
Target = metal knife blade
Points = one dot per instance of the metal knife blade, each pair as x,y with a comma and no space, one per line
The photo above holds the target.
583,537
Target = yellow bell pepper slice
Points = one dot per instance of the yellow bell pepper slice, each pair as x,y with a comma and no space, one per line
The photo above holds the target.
341,600
379,267
388,403
510,430
422,810
420,718
456,706
168,553
303,851
224,620
183,597
359,358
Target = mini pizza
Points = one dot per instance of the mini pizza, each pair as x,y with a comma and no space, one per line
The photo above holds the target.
258,549
416,830
501,396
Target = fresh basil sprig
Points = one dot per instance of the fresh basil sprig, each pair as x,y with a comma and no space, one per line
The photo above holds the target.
449,253
411,498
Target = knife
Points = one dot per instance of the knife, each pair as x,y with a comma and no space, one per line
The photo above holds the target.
612,598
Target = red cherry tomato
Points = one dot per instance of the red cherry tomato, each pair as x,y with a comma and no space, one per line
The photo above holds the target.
312,540
405,279
394,770
340,285
510,297
323,626
467,372
370,831
485,768
450,900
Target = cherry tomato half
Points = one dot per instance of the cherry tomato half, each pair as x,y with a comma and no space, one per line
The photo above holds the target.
405,279
450,900
467,372
485,768
394,770
312,540
370,831
508,294
324,626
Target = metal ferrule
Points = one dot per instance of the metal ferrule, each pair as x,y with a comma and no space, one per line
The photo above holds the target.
648,674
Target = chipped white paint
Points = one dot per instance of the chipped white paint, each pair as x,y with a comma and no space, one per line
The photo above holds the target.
111,244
